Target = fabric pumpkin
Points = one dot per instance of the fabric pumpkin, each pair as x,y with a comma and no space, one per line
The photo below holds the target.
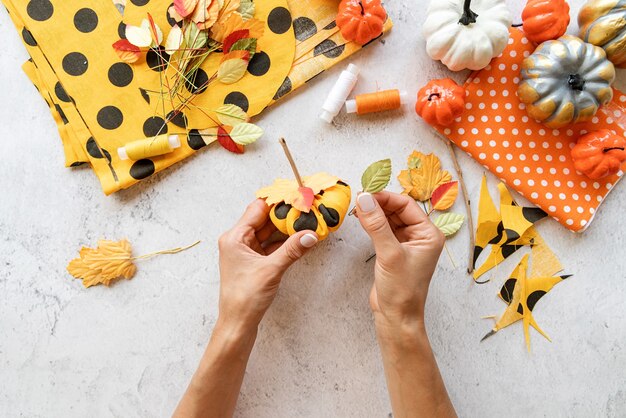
565,81
545,19
466,38
601,23
599,154
361,20
326,215
440,102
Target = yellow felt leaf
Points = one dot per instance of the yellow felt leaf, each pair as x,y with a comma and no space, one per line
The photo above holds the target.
420,182
232,70
109,261
234,21
287,191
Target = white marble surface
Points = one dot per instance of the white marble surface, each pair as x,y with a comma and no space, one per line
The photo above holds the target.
129,350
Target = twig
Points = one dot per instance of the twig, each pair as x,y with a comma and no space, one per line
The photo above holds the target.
291,161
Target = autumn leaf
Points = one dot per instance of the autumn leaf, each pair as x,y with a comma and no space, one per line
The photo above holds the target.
223,137
174,40
449,223
148,34
109,261
234,37
233,66
185,7
444,196
231,115
376,177
246,44
288,191
420,182
246,9
234,21
246,133
127,52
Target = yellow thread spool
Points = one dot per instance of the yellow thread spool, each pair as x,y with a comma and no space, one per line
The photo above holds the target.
377,102
149,147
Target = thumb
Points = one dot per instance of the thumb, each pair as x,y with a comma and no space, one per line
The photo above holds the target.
294,248
375,223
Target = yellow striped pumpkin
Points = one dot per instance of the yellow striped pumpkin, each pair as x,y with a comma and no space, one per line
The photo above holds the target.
603,23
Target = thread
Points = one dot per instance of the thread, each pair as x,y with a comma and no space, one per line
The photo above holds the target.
149,147
377,102
339,93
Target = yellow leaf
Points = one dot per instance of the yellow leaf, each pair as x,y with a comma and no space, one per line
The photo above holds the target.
232,70
420,182
109,261
233,22
444,196
287,191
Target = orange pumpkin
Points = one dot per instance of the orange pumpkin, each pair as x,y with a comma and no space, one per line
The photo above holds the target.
361,20
545,19
440,102
599,154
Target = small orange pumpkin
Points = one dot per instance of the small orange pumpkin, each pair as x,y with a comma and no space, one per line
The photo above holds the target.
599,154
440,102
545,19
361,20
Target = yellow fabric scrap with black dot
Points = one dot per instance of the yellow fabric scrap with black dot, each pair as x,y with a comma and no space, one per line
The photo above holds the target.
101,104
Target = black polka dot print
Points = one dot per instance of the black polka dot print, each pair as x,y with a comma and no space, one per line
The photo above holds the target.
120,74
92,149
77,164
121,30
306,221
330,215
194,139
170,19
477,251
142,169
283,89
331,25
157,58
75,63
304,28
507,250
40,10
197,82
533,298
86,20
61,93
61,114
533,214
237,98
507,290
511,236
110,117
279,20
139,2
281,210
145,95
329,48
259,64
154,126
177,118
28,37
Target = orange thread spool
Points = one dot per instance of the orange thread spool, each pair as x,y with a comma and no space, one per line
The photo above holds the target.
376,102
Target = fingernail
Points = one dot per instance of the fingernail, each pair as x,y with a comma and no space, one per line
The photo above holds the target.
308,240
366,202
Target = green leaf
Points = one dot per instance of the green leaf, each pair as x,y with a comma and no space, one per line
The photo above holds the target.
231,115
245,44
449,223
414,162
194,37
246,9
232,70
246,133
376,177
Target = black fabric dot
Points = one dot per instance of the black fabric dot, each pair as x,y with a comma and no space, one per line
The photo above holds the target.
329,49
86,20
28,37
142,169
39,10
154,126
511,236
520,309
139,2
110,117
61,114
157,58
279,20
281,210
145,95
120,74
61,93
533,298
306,221
195,141
533,214
238,99
284,89
92,149
498,238
330,25
198,82
477,251
178,118
507,290
507,250
75,63
330,215
121,30
304,28
77,163
170,19
259,64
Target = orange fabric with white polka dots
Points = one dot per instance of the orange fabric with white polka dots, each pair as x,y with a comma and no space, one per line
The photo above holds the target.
529,157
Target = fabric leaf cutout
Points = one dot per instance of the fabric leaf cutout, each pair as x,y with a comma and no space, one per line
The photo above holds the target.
232,70
445,195
231,115
376,177
449,223
246,133
227,142
288,191
127,52
420,182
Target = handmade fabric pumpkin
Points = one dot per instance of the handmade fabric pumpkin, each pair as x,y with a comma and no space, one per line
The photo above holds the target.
599,154
466,38
361,20
545,19
601,23
565,81
440,102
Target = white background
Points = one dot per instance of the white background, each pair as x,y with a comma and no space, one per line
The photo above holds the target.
129,350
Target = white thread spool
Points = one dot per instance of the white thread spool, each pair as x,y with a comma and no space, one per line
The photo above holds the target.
339,93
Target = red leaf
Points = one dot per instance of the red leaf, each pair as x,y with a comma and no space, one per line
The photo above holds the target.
126,51
185,7
153,30
444,196
227,142
308,195
234,37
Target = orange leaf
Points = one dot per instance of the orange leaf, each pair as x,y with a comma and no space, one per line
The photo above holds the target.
227,142
185,7
127,52
233,22
109,261
420,182
289,191
444,196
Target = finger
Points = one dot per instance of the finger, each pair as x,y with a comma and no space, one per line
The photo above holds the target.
373,220
401,208
266,232
293,249
255,216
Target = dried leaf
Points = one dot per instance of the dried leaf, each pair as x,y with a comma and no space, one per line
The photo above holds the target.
420,182
376,177
174,40
185,7
246,133
246,9
247,44
449,223
227,142
231,115
232,70
109,261
234,37
444,196
127,52
288,191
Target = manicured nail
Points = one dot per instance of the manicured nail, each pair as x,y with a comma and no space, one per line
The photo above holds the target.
366,202
308,240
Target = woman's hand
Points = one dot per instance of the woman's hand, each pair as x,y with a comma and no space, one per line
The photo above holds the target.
251,267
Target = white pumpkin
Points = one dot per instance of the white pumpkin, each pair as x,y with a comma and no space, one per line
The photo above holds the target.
466,34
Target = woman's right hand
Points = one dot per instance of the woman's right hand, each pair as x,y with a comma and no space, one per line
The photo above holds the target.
407,246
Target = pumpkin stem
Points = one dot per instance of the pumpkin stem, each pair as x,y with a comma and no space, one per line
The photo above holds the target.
576,82
362,8
612,149
468,16
430,97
